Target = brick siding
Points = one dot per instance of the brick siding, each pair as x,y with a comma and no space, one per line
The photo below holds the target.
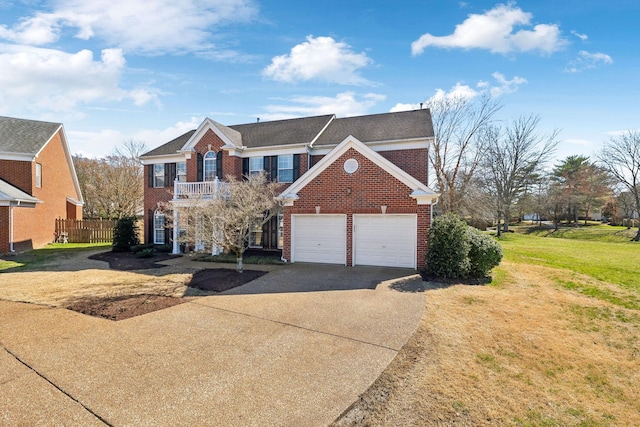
364,191
34,227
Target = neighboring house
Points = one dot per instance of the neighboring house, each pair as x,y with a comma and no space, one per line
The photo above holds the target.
38,183
355,189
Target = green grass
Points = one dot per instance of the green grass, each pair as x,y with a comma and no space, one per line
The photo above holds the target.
53,252
616,263
599,233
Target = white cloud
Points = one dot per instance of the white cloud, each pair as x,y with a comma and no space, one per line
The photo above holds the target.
505,86
463,91
344,104
41,79
578,142
153,27
587,60
495,31
101,143
319,58
582,37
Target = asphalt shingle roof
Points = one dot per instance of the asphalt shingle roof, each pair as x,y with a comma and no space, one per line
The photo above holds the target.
170,147
370,128
25,136
282,132
379,127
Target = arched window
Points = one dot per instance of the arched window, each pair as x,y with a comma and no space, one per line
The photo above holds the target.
158,227
210,171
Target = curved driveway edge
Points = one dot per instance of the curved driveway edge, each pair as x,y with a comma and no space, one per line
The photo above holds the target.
294,347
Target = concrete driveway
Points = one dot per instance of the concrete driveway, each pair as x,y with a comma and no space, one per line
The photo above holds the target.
293,348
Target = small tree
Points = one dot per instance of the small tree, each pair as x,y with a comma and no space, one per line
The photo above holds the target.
226,221
125,235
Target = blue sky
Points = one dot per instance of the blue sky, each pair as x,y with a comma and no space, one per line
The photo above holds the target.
152,70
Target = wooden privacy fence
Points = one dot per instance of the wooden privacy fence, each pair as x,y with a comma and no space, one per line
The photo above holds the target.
85,230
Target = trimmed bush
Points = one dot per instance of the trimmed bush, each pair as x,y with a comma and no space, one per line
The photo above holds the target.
456,250
484,253
145,253
125,235
448,250
164,248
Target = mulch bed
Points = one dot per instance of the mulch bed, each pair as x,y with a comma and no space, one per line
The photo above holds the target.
127,261
124,307
127,306
222,279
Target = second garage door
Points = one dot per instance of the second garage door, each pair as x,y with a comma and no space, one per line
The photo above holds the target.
385,240
319,238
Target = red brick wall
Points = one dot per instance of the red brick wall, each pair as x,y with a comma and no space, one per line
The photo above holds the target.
414,161
34,228
364,191
4,229
17,173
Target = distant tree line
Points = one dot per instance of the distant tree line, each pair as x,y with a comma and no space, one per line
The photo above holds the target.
493,172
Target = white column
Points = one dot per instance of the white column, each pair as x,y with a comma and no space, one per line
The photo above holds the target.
176,226
11,228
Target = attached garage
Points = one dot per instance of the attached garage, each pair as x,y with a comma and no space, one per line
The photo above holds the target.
319,238
385,240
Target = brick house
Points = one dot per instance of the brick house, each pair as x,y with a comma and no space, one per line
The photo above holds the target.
38,183
354,189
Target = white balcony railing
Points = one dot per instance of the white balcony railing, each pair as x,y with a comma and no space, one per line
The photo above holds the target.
207,189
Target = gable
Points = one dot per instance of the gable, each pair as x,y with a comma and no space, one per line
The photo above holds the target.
335,159
22,139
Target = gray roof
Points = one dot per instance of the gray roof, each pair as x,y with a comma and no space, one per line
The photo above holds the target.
171,147
371,128
25,136
282,132
12,194
379,127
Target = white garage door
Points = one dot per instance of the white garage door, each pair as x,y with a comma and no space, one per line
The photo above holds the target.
319,238
385,240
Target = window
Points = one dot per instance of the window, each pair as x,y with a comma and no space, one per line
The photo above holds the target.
255,236
158,228
158,175
210,171
256,165
38,175
181,171
285,168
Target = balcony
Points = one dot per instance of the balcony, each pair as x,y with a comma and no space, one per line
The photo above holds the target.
200,190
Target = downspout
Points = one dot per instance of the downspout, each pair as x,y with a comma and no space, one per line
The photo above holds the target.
11,249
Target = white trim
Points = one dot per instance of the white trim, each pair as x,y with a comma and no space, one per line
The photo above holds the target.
269,151
333,117
74,201
165,158
419,189
379,146
207,124
23,157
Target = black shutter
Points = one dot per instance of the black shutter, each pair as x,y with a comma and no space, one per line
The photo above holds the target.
271,166
296,167
219,165
170,173
150,227
150,175
245,168
200,166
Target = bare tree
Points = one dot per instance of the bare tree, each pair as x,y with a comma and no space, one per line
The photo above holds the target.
627,205
513,157
620,155
113,186
456,152
227,219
